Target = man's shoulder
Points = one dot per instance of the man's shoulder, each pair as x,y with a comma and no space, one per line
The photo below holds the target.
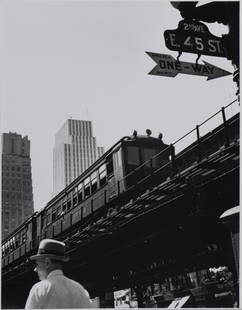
73,282
77,284
41,287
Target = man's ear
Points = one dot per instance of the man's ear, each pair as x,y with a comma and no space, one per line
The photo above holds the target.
47,261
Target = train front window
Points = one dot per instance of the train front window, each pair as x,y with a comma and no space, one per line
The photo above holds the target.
133,157
148,153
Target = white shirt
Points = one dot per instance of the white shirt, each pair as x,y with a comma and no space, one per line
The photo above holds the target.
57,291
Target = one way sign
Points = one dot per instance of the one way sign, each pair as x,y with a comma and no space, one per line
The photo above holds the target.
168,66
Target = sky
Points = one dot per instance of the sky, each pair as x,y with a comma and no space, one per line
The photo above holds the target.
87,60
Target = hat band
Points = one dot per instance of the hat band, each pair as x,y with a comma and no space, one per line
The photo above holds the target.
44,251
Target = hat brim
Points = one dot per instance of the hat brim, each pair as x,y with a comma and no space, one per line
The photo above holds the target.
56,257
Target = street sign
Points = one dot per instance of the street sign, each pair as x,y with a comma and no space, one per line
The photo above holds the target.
194,37
168,66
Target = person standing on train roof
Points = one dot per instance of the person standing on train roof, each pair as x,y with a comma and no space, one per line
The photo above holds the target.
54,289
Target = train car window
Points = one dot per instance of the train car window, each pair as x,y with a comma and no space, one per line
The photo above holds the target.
80,196
53,216
102,168
48,221
119,158
75,200
79,187
10,244
94,185
93,175
79,190
109,165
102,175
94,182
24,237
17,240
43,220
69,204
133,157
87,187
103,178
58,212
14,243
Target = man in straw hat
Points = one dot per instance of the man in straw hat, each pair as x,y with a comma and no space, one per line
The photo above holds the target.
54,289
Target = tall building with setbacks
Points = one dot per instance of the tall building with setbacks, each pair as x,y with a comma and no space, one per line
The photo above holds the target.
74,151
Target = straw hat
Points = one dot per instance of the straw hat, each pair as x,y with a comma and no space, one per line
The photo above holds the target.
51,248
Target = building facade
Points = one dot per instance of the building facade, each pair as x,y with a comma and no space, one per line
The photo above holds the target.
17,191
74,151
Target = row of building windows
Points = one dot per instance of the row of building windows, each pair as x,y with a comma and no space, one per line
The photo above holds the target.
14,175
11,188
15,181
16,196
13,168
16,188
23,167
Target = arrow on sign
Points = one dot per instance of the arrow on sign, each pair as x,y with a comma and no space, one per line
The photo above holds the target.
167,65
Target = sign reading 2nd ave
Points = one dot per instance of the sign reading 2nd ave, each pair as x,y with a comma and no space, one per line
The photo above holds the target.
194,37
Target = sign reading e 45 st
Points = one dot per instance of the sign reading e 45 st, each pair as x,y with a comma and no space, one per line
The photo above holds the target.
194,37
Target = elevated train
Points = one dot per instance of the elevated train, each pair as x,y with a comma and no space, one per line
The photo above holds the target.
130,162
109,176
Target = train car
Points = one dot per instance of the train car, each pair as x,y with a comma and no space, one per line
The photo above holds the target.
111,175
20,242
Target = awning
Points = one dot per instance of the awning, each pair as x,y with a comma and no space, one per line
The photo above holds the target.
121,293
178,302
230,212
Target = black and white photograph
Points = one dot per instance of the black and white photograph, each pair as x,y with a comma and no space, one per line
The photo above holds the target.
120,144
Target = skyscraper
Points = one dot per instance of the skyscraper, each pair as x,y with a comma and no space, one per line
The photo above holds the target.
17,192
74,151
